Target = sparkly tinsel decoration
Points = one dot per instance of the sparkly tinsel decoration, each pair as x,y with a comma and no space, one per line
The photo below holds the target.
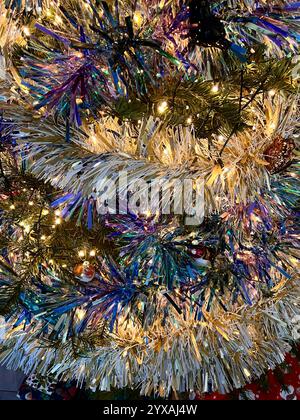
24,6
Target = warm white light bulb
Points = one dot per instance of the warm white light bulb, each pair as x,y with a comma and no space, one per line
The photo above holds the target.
26,30
80,313
138,18
215,88
58,20
162,107
27,228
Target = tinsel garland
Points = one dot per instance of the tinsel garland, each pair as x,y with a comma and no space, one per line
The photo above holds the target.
148,28
152,152
223,353
207,310
25,6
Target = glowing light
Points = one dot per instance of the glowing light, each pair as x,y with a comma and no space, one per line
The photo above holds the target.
58,221
93,253
189,120
138,18
81,253
31,203
148,213
94,139
26,30
80,313
58,20
57,213
43,238
162,107
45,212
221,138
79,54
272,92
27,228
12,207
215,88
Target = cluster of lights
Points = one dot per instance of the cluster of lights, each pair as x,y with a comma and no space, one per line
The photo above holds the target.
163,106
83,253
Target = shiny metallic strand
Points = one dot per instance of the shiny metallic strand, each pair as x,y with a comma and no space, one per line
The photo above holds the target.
218,350
156,152
257,24
225,352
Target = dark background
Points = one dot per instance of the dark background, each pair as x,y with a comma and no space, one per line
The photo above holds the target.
9,384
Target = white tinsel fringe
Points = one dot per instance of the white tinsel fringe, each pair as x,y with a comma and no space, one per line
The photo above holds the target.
219,355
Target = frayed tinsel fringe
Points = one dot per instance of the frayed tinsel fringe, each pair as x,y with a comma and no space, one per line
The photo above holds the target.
220,354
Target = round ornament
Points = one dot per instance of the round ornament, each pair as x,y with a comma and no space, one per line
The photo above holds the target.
85,272
200,253
279,154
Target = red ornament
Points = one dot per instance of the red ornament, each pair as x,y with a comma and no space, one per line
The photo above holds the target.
279,154
198,250
85,272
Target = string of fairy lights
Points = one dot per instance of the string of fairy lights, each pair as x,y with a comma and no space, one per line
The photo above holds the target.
158,90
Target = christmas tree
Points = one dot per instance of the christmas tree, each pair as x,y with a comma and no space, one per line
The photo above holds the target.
149,192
